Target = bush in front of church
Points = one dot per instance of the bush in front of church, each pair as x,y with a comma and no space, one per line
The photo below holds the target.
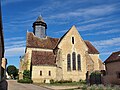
25,81
26,77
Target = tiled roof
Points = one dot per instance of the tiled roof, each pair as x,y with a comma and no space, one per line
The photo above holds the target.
43,58
35,42
51,43
91,48
115,56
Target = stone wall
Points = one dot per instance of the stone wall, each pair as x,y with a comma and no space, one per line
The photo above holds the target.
67,47
95,58
29,54
37,78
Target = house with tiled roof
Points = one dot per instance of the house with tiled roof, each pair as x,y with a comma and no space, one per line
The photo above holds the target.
66,58
112,64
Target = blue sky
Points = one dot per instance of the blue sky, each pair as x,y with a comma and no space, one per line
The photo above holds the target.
97,21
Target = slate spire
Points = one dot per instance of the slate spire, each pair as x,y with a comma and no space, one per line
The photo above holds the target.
39,27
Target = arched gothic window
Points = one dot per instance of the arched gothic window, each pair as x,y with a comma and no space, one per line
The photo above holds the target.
79,61
68,62
74,60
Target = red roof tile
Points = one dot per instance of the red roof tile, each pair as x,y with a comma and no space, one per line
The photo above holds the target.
50,43
115,56
35,42
43,58
91,48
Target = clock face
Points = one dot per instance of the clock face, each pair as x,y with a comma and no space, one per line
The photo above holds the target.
40,31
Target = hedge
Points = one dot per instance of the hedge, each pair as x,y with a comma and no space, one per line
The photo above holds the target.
25,81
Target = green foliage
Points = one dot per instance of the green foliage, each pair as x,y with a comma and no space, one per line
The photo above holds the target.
25,80
63,81
95,73
84,87
109,88
26,77
52,81
93,87
26,74
100,87
82,81
116,87
12,70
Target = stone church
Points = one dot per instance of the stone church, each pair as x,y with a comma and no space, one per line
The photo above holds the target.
66,58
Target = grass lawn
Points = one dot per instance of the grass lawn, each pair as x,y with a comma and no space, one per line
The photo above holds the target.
61,84
67,84
81,86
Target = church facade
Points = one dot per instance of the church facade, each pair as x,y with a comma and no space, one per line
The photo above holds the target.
66,58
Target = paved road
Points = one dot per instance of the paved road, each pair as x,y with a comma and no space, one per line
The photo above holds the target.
13,85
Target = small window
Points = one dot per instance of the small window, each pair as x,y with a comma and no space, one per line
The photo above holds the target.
40,73
49,73
118,75
72,40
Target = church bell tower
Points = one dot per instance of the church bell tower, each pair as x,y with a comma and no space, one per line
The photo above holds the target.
39,27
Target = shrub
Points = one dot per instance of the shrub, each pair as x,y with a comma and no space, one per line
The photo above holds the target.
100,87
82,81
64,81
116,87
109,88
84,87
61,81
26,77
95,73
93,87
25,81
26,74
52,81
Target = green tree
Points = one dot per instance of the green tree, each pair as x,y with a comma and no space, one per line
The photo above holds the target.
12,71
26,74
26,77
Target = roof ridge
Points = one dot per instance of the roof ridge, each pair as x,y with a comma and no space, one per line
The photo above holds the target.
116,52
63,36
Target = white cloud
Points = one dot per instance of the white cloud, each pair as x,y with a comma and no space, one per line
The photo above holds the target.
87,12
15,42
14,46
113,42
105,32
91,20
98,25
14,51
106,47
14,38
63,31
99,10
4,2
